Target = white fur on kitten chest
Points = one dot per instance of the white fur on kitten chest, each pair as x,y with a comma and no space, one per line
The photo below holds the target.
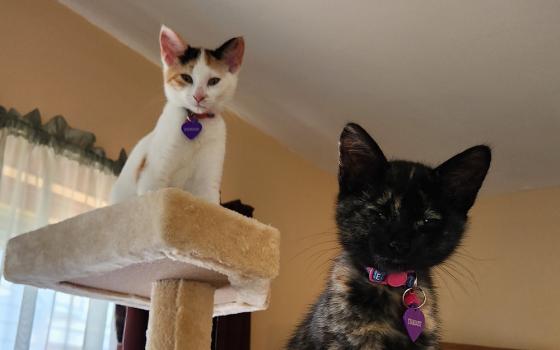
166,157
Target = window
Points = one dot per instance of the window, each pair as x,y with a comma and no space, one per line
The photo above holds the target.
40,187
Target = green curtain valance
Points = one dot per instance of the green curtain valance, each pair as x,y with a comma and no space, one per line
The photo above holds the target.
56,133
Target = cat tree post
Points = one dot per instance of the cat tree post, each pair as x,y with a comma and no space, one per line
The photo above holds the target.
183,258
184,317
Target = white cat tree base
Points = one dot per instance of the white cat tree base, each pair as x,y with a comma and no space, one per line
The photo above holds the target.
183,258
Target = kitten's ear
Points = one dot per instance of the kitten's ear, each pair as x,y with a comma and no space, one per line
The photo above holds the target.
171,46
462,175
361,160
231,52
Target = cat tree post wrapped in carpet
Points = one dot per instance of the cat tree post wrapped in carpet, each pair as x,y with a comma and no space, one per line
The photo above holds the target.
182,316
117,252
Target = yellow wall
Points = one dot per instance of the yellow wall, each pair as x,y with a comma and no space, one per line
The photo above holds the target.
513,247
54,60
297,199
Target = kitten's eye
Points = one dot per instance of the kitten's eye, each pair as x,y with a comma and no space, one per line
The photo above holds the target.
429,223
213,81
187,78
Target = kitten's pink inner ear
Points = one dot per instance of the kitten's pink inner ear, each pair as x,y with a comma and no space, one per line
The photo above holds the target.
171,46
233,56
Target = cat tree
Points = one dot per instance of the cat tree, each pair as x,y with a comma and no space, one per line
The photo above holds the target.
181,257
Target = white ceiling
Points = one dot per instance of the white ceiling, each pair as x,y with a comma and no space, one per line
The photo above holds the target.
426,78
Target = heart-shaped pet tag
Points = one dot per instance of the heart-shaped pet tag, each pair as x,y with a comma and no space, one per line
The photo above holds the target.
411,299
191,128
414,320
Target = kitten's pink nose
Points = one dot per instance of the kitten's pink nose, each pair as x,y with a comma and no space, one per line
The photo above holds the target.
199,98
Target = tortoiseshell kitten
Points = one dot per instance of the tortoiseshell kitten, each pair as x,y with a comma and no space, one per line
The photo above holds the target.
394,216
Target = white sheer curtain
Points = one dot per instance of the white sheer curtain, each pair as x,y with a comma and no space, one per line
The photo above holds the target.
37,188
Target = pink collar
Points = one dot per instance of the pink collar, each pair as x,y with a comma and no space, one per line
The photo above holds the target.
194,115
394,279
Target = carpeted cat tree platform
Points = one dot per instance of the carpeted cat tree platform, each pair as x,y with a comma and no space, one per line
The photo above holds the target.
180,257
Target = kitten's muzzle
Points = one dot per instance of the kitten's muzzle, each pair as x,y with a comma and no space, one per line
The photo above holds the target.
200,109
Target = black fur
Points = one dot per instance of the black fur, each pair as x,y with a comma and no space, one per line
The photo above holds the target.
191,53
219,52
395,216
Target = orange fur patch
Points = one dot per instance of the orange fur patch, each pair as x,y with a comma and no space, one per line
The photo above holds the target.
141,167
173,74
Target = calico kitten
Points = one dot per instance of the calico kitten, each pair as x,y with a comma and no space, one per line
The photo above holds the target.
197,83
393,216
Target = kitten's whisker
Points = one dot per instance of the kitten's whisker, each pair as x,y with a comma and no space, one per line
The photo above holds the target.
462,274
463,266
452,266
471,275
320,263
444,269
333,232
463,255
442,278
322,253
319,251
464,252
323,267
330,241
309,248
